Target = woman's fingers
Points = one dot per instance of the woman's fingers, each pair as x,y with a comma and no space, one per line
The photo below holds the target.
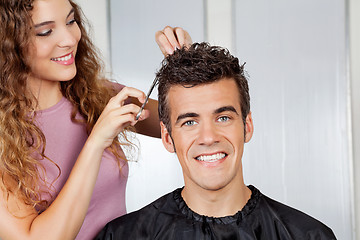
117,115
163,43
170,39
124,94
131,109
183,37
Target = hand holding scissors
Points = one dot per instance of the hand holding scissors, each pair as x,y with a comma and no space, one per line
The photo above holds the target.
146,99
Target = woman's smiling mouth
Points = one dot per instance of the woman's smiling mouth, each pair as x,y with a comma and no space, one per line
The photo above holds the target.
64,60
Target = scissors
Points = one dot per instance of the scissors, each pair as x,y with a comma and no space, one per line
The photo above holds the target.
146,99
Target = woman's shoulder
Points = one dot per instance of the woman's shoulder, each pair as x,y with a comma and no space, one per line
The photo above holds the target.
114,85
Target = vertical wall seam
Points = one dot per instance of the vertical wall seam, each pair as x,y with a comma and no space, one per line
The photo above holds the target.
233,26
206,12
108,25
354,217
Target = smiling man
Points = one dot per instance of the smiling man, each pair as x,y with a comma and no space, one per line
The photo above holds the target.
204,109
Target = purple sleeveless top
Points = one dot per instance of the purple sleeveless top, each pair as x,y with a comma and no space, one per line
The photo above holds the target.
64,141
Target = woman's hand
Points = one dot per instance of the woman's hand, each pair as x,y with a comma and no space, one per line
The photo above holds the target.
116,116
170,39
64,217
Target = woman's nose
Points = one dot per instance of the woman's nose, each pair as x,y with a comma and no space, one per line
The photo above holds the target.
68,37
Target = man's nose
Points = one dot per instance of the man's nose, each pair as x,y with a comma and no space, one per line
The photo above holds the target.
208,134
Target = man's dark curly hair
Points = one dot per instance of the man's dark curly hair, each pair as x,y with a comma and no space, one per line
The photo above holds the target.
201,63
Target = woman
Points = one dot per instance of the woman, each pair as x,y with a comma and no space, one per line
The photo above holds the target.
59,124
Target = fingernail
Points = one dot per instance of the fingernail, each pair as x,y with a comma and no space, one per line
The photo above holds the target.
170,51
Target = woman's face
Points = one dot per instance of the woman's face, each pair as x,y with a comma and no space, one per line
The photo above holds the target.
52,55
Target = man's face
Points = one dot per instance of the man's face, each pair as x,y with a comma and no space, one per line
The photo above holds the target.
207,133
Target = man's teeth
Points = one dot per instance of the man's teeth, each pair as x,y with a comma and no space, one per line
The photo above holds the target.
211,158
66,58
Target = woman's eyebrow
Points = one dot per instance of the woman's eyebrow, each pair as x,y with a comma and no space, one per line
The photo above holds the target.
51,22
43,24
71,11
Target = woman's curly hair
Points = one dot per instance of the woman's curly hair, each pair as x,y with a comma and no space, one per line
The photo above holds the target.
196,65
89,92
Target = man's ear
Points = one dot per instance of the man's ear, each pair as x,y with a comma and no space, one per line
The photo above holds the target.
166,138
249,127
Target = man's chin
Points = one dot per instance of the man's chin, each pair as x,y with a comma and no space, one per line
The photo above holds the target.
214,187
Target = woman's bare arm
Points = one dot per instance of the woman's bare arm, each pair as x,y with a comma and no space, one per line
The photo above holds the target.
64,217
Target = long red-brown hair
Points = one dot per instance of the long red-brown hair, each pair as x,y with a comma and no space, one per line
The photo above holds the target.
89,92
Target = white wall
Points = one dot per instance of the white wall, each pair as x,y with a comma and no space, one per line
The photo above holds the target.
220,23
96,13
296,59
354,10
297,62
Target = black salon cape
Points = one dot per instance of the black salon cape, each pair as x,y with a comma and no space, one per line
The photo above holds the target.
170,218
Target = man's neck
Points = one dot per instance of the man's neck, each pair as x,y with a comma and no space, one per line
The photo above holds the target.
226,201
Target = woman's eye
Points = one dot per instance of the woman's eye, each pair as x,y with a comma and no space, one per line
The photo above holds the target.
72,21
189,123
223,119
44,33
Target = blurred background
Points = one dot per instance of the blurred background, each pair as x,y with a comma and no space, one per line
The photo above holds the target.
303,62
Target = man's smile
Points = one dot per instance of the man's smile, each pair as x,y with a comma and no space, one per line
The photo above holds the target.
211,158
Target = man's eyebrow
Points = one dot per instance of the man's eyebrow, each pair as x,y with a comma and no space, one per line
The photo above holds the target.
225,109
186,115
51,22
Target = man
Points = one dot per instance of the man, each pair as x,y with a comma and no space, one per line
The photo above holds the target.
204,109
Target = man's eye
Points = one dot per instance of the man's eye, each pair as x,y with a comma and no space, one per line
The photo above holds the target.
189,123
223,119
